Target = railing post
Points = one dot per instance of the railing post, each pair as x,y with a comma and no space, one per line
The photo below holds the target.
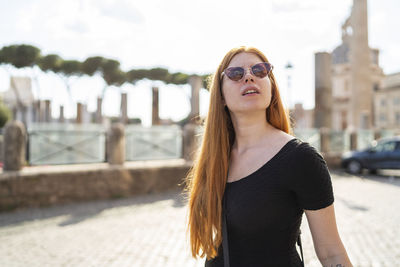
116,144
324,139
14,146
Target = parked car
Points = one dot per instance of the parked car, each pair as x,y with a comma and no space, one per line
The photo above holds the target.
382,154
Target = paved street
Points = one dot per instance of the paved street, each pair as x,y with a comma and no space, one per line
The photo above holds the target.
150,230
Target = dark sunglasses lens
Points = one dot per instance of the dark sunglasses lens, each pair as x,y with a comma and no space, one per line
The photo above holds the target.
261,70
235,73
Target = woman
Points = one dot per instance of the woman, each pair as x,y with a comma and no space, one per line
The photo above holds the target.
257,178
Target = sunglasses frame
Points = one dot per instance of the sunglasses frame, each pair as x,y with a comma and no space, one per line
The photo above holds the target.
251,71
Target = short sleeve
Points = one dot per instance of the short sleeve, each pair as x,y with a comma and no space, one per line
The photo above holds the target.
311,180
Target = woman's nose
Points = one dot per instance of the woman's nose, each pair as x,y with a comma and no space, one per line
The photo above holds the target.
248,76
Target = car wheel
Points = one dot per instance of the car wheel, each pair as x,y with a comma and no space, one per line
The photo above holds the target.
354,167
373,171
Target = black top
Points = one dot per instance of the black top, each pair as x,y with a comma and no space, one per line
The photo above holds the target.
264,209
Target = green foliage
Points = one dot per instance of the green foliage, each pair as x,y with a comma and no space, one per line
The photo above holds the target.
111,72
7,54
160,74
20,55
5,114
133,76
71,67
50,63
178,78
27,55
207,78
92,65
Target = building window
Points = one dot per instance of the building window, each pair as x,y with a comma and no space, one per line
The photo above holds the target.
382,117
376,87
396,101
383,102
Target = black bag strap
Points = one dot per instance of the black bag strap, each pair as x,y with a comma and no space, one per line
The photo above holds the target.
301,248
225,235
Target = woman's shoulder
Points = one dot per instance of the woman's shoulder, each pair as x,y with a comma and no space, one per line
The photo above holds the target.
303,152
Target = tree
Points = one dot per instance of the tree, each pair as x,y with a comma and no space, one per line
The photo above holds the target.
68,70
92,65
50,62
112,74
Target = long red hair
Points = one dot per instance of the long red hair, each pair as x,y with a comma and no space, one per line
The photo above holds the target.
207,178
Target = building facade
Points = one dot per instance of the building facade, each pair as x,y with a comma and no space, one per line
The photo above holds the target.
387,103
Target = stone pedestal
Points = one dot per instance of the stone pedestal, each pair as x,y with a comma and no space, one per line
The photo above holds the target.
14,146
190,141
377,134
325,139
116,144
155,119
353,141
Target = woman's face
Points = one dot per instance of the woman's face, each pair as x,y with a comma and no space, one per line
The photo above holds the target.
236,93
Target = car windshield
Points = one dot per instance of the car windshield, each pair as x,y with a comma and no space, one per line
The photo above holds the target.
386,146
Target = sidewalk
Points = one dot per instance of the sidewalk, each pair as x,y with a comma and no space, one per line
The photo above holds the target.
150,230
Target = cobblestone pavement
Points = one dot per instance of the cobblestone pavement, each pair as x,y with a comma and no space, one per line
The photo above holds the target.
150,230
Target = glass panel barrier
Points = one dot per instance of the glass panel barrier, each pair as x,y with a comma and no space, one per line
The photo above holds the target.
156,142
59,143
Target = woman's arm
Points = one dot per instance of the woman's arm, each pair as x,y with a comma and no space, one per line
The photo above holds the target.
328,246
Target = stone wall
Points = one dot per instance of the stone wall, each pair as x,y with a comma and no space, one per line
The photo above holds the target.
44,186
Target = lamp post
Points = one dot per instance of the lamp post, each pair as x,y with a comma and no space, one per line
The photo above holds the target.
289,68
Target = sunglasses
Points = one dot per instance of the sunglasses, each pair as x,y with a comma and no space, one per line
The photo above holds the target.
259,70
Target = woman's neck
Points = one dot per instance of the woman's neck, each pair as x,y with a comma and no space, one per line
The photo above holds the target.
250,130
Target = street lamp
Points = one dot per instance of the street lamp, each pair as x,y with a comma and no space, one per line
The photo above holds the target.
289,68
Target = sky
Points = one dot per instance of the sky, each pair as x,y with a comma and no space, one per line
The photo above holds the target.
188,36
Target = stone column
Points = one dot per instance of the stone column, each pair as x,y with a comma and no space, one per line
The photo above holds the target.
360,68
124,108
47,111
196,83
79,113
14,146
190,141
323,90
61,118
116,144
99,116
155,113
